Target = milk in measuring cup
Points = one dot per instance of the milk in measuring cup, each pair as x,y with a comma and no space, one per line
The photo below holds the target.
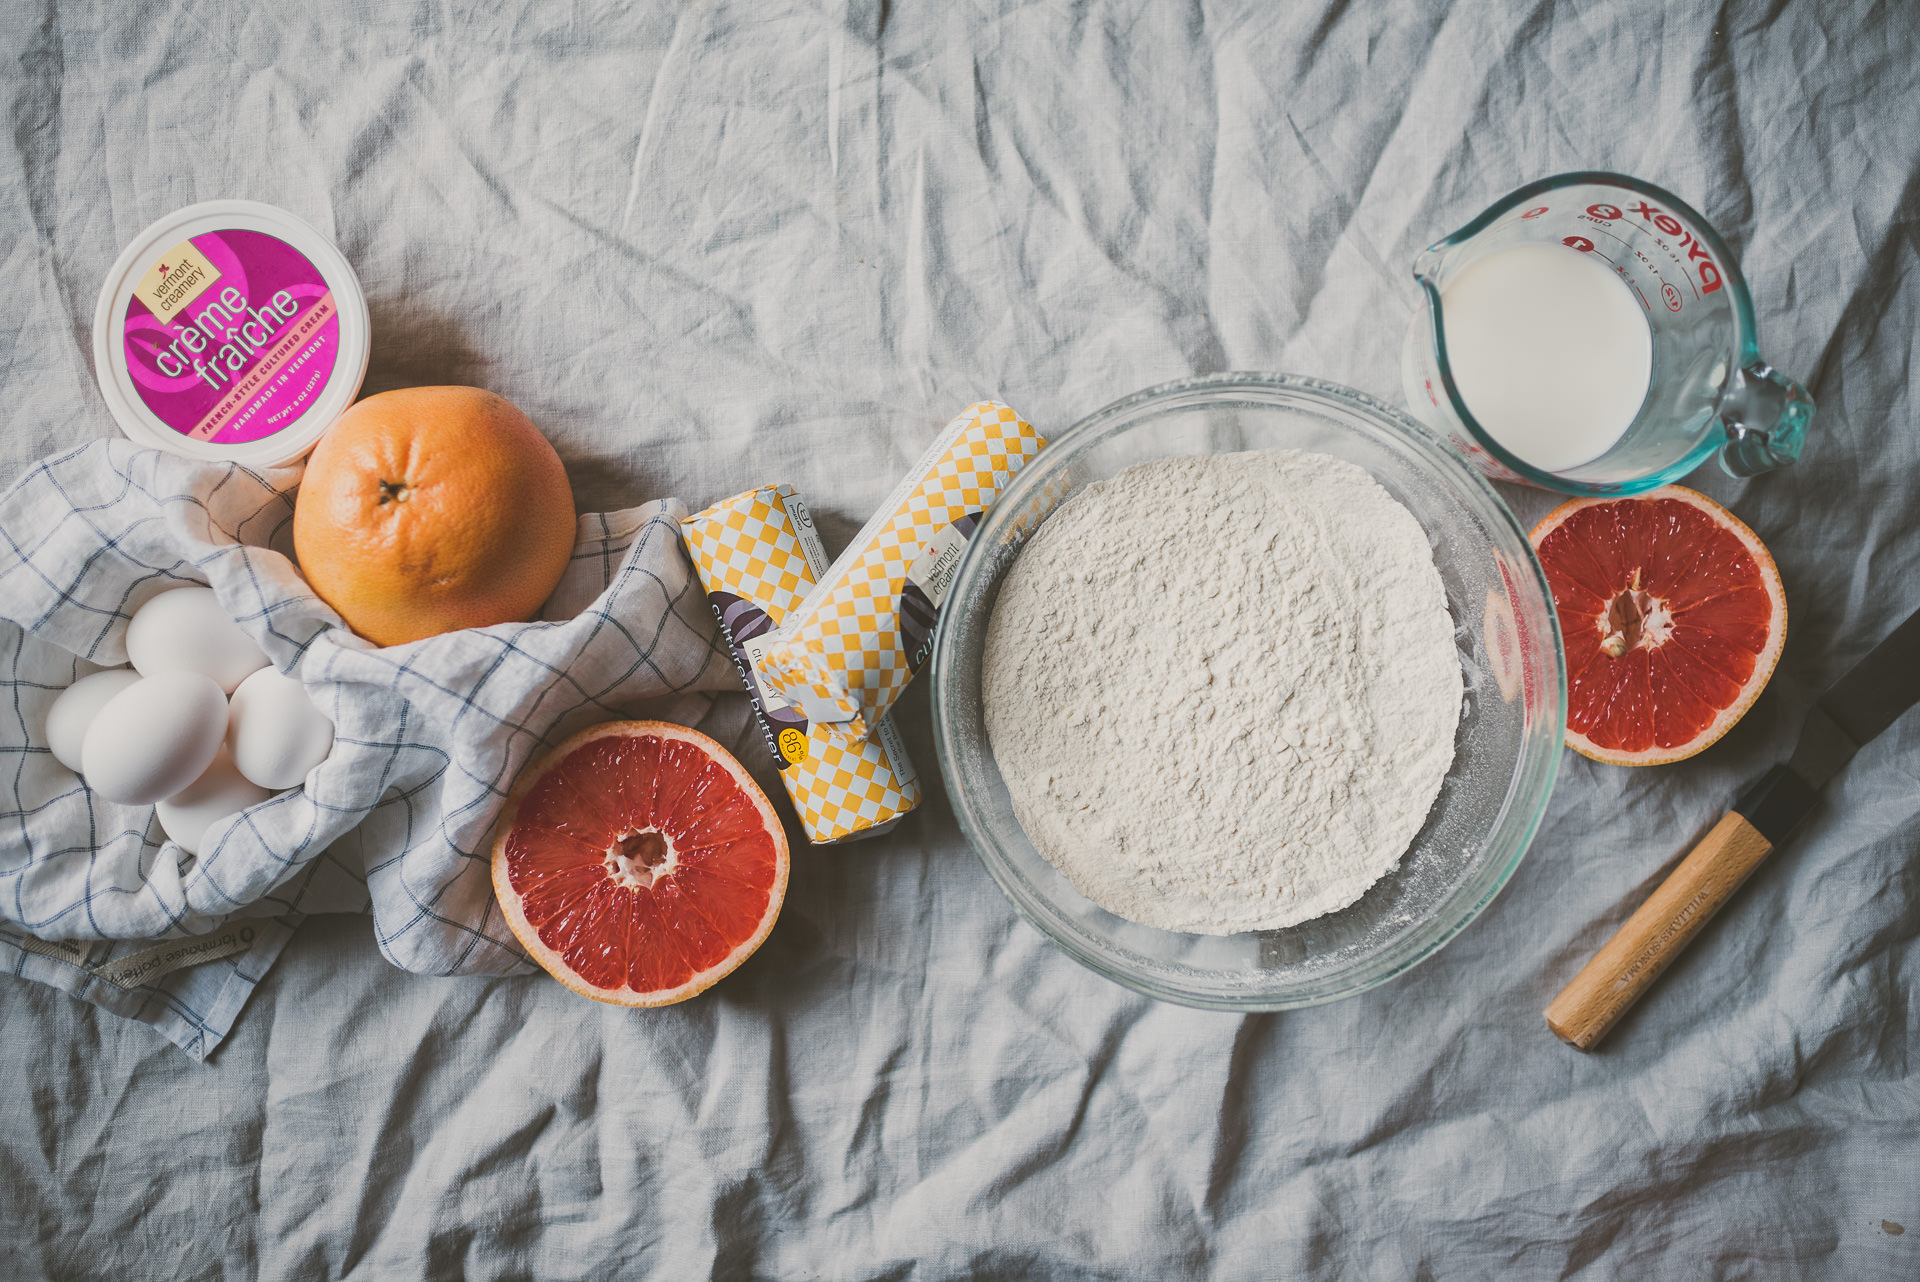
1550,350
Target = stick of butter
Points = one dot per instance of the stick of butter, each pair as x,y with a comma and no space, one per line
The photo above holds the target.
757,553
847,651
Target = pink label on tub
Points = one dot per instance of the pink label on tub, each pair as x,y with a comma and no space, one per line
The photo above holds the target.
231,336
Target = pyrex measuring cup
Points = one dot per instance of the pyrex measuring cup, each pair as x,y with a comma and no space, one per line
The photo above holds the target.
1708,389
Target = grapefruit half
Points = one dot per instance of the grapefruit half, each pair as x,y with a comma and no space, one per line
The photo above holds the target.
1673,617
639,863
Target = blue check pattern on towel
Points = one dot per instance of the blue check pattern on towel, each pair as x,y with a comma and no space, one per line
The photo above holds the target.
429,736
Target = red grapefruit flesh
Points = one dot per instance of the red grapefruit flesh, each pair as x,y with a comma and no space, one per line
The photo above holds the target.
1673,617
639,863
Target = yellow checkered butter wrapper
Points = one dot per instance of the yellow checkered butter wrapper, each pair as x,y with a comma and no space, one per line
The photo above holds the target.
757,555
845,653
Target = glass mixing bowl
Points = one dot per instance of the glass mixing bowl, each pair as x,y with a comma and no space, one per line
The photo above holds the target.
1506,753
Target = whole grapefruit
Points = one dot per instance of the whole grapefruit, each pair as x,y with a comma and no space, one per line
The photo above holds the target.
428,509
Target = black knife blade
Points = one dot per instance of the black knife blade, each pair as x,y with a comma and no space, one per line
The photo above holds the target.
1854,709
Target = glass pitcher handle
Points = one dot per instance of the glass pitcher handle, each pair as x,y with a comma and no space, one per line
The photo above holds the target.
1766,416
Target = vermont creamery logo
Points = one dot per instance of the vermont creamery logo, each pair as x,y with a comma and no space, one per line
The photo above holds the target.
182,275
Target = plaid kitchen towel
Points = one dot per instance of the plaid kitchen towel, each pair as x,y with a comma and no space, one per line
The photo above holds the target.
429,736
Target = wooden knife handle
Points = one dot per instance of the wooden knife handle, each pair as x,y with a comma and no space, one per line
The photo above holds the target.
1608,986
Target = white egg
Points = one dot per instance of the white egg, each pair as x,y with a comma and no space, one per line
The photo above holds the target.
275,732
218,792
188,630
73,710
154,737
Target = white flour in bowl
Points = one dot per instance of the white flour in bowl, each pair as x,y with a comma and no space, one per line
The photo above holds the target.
1223,690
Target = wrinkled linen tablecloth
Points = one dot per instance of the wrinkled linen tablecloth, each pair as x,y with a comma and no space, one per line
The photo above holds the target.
725,244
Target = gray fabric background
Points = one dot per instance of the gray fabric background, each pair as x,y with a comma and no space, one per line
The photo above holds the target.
747,242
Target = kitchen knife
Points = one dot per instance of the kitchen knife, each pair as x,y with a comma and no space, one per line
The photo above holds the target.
1857,707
